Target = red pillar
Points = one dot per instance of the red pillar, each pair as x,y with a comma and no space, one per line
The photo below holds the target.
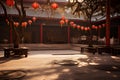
41,33
108,23
68,34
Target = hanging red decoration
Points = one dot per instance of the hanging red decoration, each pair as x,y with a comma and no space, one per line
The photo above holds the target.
96,27
62,22
66,21
35,5
71,23
34,19
16,24
7,21
103,25
82,28
24,24
74,25
100,26
29,22
78,26
86,29
93,26
10,3
54,6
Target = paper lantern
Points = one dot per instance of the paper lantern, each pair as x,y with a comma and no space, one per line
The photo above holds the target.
62,22
82,27
35,5
103,25
29,22
71,23
96,27
74,25
16,24
100,26
93,26
86,29
34,19
66,21
24,24
10,3
7,21
54,6
78,26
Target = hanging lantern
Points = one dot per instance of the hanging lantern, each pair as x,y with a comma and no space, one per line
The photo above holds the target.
35,5
74,25
7,21
96,27
100,26
62,22
29,22
71,23
54,6
88,28
82,28
34,19
10,3
93,26
103,25
24,24
78,26
16,24
66,21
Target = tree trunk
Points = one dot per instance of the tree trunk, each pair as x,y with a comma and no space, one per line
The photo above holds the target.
90,44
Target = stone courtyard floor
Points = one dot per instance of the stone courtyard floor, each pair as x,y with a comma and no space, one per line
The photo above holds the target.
60,65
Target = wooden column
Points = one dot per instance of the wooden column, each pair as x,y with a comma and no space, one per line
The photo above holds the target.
41,33
68,34
108,23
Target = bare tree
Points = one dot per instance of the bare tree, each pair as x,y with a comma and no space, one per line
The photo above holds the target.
21,14
92,9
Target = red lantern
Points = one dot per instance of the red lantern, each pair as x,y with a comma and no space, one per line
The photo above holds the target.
54,5
7,21
62,22
86,29
24,24
100,26
30,22
93,26
78,26
82,28
66,21
103,25
34,19
10,3
96,27
35,5
71,23
16,24
74,25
